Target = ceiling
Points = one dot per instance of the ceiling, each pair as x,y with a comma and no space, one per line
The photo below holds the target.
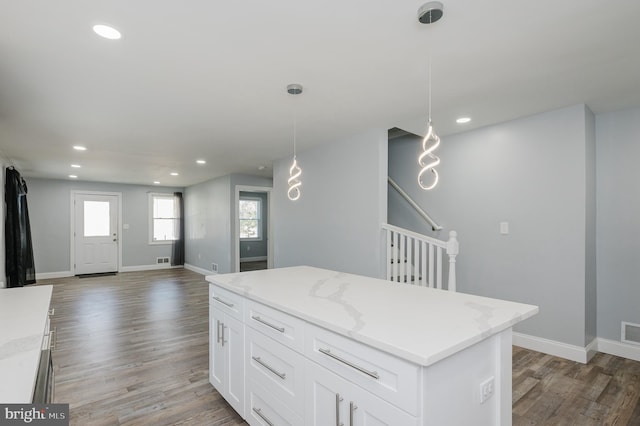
204,79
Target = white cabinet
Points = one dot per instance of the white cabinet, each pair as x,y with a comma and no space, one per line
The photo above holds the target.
226,348
332,400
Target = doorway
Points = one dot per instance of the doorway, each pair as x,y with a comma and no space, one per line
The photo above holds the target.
253,242
95,243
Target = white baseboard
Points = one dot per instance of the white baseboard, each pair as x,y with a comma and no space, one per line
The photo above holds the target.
253,259
138,268
624,350
198,270
555,348
48,275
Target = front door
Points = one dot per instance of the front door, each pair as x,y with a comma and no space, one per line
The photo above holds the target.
96,233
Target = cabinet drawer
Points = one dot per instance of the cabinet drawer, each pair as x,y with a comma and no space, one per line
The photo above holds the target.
278,369
263,410
226,301
391,378
281,327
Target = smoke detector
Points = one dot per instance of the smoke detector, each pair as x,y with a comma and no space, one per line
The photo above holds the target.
430,12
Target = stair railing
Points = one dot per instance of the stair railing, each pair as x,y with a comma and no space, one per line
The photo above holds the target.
413,204
417,259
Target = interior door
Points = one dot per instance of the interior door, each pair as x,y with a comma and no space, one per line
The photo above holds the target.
96,233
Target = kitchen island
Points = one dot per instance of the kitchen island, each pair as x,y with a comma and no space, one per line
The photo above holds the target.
310,346
24,313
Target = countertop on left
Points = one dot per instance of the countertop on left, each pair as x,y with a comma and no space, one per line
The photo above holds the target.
23,318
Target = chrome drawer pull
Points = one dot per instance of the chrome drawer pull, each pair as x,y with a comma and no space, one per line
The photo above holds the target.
216,298
275,327
268,367
338,399
218,334
373,374
352,408
258,411
53,337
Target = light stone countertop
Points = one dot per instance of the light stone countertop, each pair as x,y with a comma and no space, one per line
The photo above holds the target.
418,324
23,317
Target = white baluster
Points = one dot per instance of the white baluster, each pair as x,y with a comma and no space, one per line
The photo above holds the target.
439,271
396,250
423,264
431,266
409,257
452,250
403,242
389,243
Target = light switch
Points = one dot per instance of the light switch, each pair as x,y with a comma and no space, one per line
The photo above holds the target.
504,228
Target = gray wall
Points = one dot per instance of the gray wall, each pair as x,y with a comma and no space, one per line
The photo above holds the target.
528,172
210,229
257,248
336,222
618,151
49,211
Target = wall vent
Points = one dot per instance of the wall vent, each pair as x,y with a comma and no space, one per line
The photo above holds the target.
630,333
162,260
214,267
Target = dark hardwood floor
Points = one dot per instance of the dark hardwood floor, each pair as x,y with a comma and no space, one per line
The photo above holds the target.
132,349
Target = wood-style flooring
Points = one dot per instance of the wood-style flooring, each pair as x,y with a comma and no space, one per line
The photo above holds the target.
132,349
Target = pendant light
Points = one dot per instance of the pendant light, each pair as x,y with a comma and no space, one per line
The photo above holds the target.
427,14
294,171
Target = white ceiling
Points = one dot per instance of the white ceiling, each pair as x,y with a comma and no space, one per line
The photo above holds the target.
206,79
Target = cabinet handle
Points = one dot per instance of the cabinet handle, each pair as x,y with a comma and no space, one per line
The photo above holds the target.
373,374
217,299
53,337
258,411
352,407
218,334
268,367
338,399
275,327
222,328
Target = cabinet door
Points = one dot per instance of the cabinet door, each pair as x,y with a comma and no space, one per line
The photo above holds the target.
216,350
233,343
333,401
366,409
325,397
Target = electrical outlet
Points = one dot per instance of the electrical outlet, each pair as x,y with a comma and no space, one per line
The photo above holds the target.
487,389
214,267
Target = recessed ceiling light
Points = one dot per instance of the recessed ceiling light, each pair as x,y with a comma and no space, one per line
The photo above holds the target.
463,120
155,182
173,174
261,167
79,148
201,161
73,176
76,166
107,32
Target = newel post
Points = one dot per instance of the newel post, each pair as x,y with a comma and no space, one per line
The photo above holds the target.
452,251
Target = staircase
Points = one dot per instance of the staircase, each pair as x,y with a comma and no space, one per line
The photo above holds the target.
418,259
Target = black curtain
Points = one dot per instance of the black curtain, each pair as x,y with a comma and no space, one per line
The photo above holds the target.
19,252
177,248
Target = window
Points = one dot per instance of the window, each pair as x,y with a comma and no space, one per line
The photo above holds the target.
250,219
163,224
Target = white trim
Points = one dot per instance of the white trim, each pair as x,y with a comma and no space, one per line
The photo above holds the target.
49,275
623,332
198,270
72,224
253,259
555,348
623,350
235,237
153,267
